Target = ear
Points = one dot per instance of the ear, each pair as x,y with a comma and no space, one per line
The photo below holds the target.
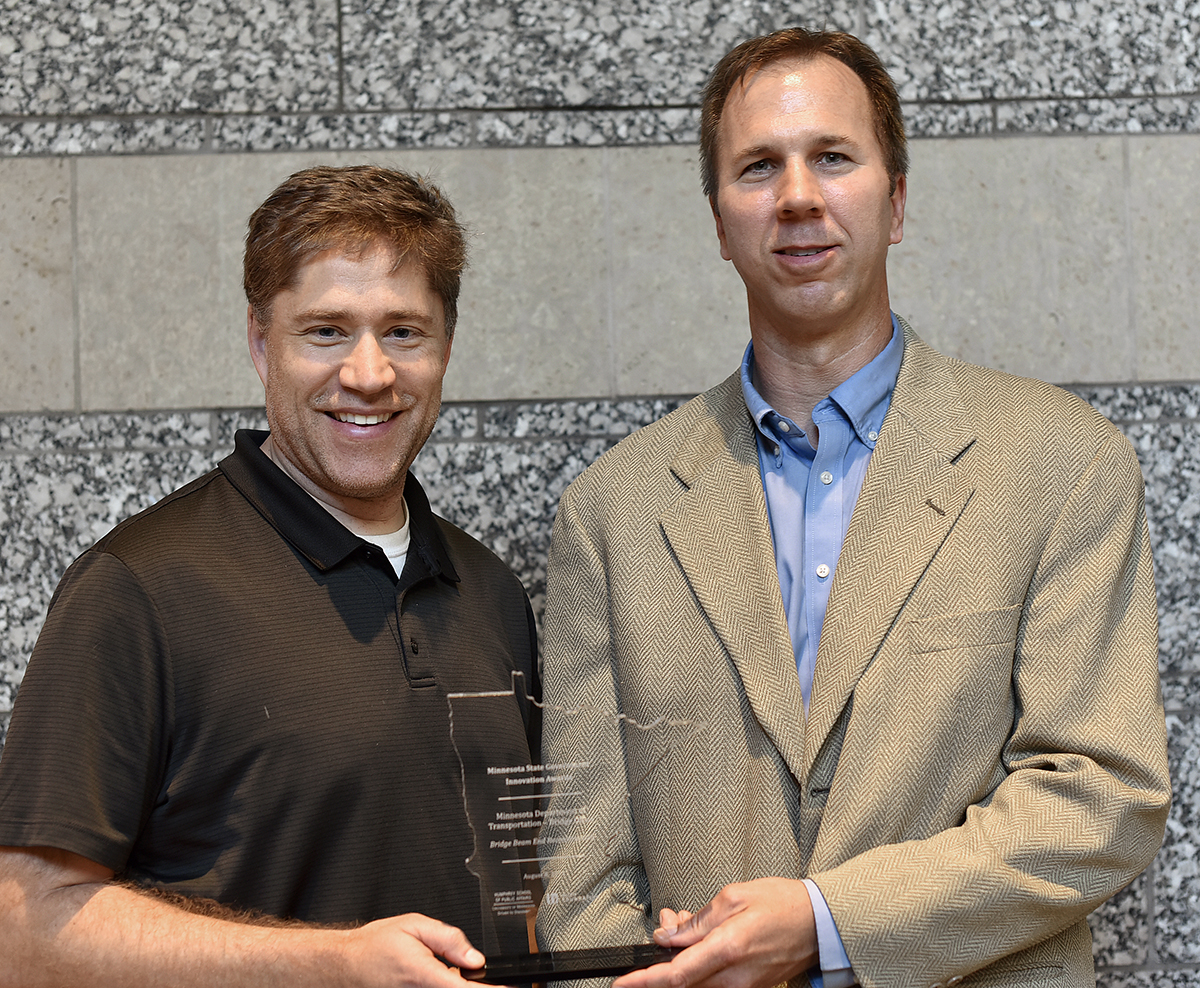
899,198
712,202
256,336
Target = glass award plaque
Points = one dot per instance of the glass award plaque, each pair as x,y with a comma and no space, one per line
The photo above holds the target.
532,821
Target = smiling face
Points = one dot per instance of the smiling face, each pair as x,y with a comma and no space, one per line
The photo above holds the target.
803,203
352,363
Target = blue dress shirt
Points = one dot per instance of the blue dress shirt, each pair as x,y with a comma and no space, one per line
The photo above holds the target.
811,493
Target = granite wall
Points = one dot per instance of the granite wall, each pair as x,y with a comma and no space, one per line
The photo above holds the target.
1056,159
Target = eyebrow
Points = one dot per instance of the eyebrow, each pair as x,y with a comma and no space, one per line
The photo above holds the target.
824,141
344,315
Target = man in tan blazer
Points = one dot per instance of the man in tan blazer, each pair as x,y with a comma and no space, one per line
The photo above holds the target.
929,739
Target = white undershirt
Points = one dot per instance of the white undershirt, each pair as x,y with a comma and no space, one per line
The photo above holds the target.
394,544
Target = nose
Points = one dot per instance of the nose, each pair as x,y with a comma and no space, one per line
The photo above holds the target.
799,190
367,369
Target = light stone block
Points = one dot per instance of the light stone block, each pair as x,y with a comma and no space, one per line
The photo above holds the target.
1165,222
162,318
163,314
37,321
595,271
533,314
678,309
1015,255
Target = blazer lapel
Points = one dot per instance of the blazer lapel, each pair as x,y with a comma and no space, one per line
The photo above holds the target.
718,530
913,494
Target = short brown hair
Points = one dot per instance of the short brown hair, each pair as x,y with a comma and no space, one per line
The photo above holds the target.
797,44
350,209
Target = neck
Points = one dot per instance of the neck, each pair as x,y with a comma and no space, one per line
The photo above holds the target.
363,518
794,372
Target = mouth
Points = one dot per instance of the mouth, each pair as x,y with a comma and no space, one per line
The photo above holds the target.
350,418
802,251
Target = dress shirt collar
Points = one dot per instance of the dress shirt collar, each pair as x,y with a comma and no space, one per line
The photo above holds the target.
863,398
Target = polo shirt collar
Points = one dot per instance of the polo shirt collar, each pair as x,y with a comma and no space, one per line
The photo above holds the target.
300,520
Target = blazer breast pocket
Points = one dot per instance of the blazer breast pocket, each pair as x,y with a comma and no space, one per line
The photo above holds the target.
960,661
965,629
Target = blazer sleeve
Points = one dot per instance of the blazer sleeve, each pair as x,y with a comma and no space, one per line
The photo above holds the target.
595,898
1080,804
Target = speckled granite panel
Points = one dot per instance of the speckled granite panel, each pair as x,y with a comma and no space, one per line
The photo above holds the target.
102,136
1177,884
1149,115
948,119
407,55
556,128
53,505
1162,423
506,494
455,129
228,422
1142,403
1171,464
1181,692
287,71
157,430
1186,978
610,419
1121,927
163,56
344,132
1036,48
456,421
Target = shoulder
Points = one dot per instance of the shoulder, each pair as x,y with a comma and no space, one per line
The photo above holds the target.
710,425
475,562
165,526
995,401
1023,428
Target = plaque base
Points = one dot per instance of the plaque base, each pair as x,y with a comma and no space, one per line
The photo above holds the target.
569,965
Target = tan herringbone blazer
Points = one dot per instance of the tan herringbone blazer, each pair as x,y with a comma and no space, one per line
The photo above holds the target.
984,759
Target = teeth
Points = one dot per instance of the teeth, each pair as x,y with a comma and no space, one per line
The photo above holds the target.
804,253
360,419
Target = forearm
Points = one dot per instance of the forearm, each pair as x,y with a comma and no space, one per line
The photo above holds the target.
63,925
108,934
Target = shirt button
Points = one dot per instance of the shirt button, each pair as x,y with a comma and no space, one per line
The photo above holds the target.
776,450
784,427
822,571
826,477
872,435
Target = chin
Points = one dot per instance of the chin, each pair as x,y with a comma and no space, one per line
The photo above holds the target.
360,488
